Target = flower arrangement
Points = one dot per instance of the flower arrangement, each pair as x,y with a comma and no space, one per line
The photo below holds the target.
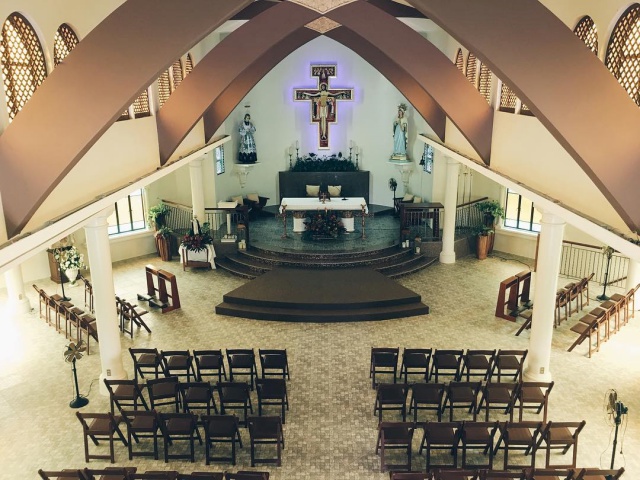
196,242
324,224
331,163
69,258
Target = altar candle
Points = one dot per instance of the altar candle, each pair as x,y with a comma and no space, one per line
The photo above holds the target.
290,150
351,143
297,144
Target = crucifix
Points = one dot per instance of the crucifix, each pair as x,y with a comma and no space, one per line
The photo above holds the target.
324,100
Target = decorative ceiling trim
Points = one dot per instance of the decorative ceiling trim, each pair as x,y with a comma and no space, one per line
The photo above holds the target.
322,6
322,25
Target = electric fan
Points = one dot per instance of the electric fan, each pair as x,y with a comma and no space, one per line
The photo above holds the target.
616,410
71,355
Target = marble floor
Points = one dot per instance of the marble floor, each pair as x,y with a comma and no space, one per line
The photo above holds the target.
330,430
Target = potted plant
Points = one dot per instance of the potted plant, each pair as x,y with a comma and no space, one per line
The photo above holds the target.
491,210
163,243
157,215
70,261
197,242
484,236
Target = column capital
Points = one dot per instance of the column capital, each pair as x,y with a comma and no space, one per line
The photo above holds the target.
451,161
549,218
100,218
196,162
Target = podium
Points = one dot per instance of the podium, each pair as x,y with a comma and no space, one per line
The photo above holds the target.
168,299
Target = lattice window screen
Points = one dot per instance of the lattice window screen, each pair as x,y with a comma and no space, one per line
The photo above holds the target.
176,70
164,88
188,65
623,52
484,83
508,99
64,41
141,105
587,32
124,116
23,65
524,110
460,61
472,68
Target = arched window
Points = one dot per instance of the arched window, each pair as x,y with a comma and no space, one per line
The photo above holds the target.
188,65
164,88
623,52
587,32
508,99
23,65
64,41
460,61
141,105
176,71
472,68
484,82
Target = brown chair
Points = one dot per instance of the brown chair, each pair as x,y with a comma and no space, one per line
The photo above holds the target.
462,395
446,362
146,361
520,436
549,474
455,475
273,392
572,291
410,476
500,475
562,302
441,436
164,392
415,361
508,363
478,436
178,363
534,396
247,476
498,396
235,396
168,475
384,361
109,473
209,363
561,436
394,436
391,397
201,476
266,431
584,292
629,302
197,396
274,363
242,363
142,424
51,475
426,396
597,474
88,293
100,426
87,329
587,328
131,315
125,394
221,429
477,363
179,427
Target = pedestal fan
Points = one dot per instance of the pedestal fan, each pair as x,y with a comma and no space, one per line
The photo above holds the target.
616,410
71,355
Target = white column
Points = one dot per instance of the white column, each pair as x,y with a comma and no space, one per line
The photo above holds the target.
633,274
448,254
544,298
104,298
197,189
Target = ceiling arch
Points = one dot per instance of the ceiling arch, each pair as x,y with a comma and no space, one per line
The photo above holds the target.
570,91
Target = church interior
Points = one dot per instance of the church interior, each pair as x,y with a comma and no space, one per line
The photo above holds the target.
321,179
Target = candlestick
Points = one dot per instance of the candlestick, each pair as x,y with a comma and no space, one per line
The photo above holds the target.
297,145
357,168
351,144
297,154
351,148
290,165
290,151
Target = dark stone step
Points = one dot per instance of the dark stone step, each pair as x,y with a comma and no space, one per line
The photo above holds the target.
402,271
225,264
245,262
266,253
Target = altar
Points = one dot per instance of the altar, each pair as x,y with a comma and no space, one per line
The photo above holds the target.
343,206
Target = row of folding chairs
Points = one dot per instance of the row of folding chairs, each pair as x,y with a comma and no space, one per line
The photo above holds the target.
479,443
170,394
431,364
473,397
78,323
524,474
130,315
130,473
605,320
180,427
574,292
202,364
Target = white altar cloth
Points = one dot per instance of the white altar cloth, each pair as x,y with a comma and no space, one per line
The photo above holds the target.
336,204
206,255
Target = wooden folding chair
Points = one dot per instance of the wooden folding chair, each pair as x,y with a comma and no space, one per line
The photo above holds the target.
446,362
477,363
520,436
221,429
561,436
534,396
598,474
100,426
383,361
53,475
426,396
266,431
415,361
441,436
391,397
498,396
394,436
478,436
209,363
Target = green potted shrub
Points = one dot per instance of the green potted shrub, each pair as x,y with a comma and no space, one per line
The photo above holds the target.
163,242
491,210
484,235
157,215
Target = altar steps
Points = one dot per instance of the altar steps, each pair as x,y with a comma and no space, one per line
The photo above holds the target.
391,261
326,295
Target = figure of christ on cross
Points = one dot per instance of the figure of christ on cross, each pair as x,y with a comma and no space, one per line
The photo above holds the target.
324,107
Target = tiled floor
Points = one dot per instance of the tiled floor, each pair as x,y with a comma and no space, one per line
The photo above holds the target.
330,430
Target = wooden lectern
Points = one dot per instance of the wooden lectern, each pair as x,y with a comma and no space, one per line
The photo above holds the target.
169,299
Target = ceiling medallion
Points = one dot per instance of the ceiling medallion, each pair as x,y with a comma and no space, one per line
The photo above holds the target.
322,6
322,25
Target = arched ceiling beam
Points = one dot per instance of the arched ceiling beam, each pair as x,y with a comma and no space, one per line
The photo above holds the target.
412,90
221,67
84,95
570,91
224,104
437,74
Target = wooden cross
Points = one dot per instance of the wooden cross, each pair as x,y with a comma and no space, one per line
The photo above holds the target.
324,101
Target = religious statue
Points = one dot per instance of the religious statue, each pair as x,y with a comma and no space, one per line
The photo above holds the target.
247,151
400,134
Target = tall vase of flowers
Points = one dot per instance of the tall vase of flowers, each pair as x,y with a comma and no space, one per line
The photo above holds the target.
70,261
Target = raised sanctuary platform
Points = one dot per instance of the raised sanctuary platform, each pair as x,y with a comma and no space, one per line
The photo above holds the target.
330,295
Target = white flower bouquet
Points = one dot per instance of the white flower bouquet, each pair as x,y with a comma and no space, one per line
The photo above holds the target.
69,258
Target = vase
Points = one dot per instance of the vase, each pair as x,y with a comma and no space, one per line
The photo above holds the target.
482,247
72,275
164,248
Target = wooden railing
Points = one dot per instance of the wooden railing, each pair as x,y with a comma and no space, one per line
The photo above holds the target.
579,260
180,220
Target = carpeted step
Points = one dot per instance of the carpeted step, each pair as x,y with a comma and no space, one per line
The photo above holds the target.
402,270
266,253
224,263
247,263
310,315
